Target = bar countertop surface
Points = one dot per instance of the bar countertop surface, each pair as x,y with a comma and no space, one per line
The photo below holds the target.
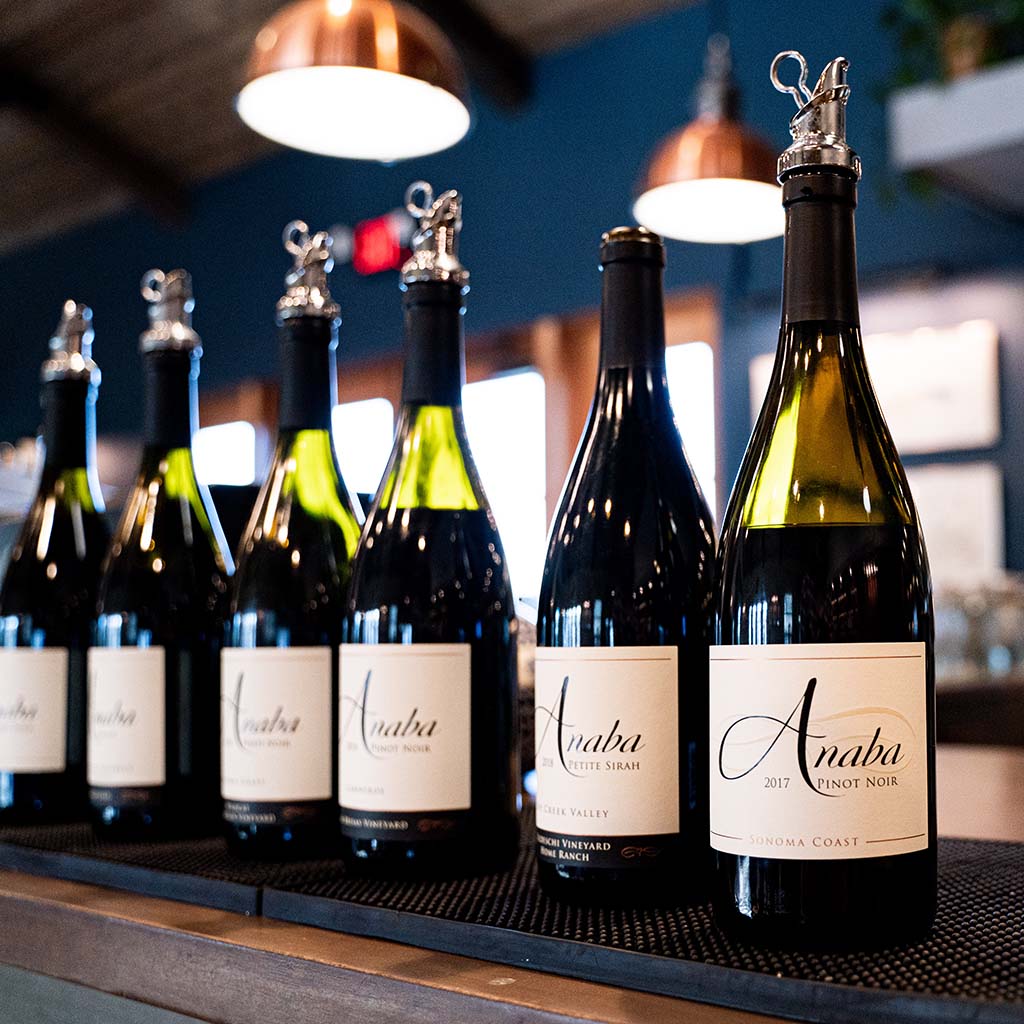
217,966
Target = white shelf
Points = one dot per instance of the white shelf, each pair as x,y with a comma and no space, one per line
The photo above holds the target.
969,133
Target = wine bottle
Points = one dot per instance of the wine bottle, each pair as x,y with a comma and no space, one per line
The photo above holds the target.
822,686
153,673
49,595
623,623
429,754
279,671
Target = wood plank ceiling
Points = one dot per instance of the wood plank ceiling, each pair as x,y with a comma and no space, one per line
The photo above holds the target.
157,81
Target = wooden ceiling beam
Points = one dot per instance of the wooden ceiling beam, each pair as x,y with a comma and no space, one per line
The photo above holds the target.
495,62
133,170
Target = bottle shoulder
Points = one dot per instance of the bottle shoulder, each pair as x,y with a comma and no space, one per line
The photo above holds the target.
56,558
631,500
824,584
62,522
303,583
167,551
296,552
422,560
304,500
314,548
431,464
821,451
642,467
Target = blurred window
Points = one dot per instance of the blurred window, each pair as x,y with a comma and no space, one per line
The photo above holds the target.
363,435
505,418
225,453
690,368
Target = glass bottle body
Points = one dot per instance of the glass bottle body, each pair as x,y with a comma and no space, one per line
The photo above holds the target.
47,605
822,546
627,580
154,715
290,588
430,570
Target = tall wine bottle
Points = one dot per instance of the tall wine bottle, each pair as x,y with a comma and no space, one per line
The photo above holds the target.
153,674
623,623
822,690
49,595
279,671
429,756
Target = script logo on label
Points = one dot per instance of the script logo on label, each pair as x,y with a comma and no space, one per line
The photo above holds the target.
253,730
858,748
384,736
574,742
19,712
116,716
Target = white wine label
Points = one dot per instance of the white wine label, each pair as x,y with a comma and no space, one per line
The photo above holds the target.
276,724
607,746
33,709
127,717
405,727
819,751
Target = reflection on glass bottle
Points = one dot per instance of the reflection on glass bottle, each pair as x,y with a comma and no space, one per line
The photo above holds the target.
49,594
429,758
279,680
153,674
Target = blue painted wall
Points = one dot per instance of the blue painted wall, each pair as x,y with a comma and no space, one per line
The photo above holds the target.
540,188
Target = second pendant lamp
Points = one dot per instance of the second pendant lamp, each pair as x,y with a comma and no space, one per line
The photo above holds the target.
714,179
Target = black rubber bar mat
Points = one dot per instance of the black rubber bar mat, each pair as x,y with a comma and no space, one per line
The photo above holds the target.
196,871
971,969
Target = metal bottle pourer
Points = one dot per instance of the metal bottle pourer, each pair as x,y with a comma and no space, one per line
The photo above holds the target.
306,291
435,243
819,125
170,312
70,355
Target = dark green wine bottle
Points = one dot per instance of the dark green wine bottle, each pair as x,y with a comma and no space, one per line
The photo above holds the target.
49,595
429,723
279,670
623,623
154,671
822,689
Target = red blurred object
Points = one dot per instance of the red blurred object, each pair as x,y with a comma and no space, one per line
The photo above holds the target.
377,245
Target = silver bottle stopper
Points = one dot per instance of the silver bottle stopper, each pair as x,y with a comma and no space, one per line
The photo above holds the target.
70,355
819,125
170,312
435,243
306,291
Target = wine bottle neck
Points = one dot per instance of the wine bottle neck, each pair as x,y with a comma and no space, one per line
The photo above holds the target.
309,378
820,266
69,424
171,399
434,369
637,393
632,316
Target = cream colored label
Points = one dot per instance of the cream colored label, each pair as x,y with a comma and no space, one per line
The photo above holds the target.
127,717
405,727
607,740
33,709
819,751
276,723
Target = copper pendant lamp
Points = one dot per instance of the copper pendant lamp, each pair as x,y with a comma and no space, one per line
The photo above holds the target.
367,79
713,180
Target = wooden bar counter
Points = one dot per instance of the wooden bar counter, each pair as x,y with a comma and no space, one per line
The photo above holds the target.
83,954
